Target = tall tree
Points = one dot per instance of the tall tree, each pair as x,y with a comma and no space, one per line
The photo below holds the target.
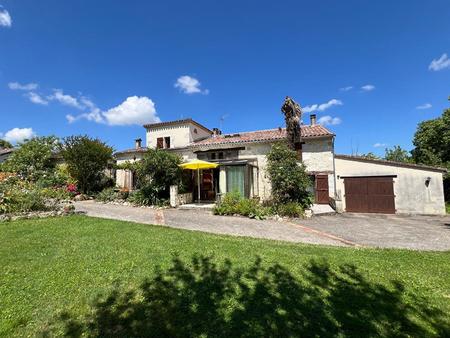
397,154
86,160
432,141
292,115
432,145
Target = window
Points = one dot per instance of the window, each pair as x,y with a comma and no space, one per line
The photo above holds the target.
167,142
159,143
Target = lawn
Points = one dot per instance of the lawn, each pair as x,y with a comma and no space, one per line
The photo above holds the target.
83,276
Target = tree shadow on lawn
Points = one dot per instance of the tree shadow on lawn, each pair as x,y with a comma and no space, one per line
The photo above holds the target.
205,299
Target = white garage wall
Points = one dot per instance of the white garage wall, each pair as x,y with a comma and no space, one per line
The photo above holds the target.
412,194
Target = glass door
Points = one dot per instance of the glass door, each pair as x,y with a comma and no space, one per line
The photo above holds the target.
235,179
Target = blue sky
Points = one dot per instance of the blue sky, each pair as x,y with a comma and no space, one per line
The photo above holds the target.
103,67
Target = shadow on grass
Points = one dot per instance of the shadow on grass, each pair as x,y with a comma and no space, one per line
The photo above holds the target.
204,299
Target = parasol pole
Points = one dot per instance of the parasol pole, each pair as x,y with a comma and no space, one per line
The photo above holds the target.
198,184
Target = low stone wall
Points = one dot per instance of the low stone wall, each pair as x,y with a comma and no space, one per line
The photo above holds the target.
177,199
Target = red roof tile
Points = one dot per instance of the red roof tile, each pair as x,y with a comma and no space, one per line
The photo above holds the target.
263,135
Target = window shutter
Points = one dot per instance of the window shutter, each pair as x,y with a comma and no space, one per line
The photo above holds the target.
159,143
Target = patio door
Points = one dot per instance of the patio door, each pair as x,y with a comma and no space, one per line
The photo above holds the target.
235,179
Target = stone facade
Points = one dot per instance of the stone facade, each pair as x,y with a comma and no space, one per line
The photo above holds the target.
249,151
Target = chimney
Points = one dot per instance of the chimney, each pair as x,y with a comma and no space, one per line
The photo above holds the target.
138,143
313,120
216,132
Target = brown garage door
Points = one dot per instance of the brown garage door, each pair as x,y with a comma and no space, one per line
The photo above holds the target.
369,194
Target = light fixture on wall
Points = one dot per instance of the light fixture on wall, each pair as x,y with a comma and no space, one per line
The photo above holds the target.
427,181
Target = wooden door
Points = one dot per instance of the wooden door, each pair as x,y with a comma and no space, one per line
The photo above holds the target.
321,189
369,194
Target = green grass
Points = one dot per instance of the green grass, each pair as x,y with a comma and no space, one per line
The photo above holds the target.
77,275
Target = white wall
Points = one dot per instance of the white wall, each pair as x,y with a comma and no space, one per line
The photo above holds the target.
412,195
318,158
181,135
124,178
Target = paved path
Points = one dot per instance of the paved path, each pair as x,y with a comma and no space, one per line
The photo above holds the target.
203,221
387,231
351,230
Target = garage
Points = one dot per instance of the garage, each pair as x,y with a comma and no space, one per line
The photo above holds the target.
369,194
377,186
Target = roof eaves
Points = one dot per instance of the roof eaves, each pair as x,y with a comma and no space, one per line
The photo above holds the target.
176,122
392,163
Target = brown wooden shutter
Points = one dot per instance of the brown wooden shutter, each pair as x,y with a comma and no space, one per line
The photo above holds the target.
159,143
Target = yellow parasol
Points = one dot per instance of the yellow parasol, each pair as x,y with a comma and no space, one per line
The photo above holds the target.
197,165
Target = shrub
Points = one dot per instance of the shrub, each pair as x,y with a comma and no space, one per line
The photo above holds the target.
288,177
233,204
86,160
18,195
33,159
22,200
155,173
289,209
107,195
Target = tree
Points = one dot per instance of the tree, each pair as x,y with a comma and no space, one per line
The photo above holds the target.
86,160
34,158
397,154
156,172
292,115
288,177
5,144
370,156
432,145
432,141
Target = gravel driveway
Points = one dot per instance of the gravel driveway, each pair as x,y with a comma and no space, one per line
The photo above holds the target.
412,232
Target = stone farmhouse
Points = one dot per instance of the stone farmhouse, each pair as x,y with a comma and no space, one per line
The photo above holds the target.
347,183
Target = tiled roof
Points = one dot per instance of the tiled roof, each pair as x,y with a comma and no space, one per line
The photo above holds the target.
176,122
4,151
392,163
263,135
131,151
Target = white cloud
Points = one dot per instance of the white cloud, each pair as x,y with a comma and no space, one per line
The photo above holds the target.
67,100
424,106
441,63
5,18
367,88
380,145
36,98
346,89
189,85
134,110
18,86
323,106
18,135
328,120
